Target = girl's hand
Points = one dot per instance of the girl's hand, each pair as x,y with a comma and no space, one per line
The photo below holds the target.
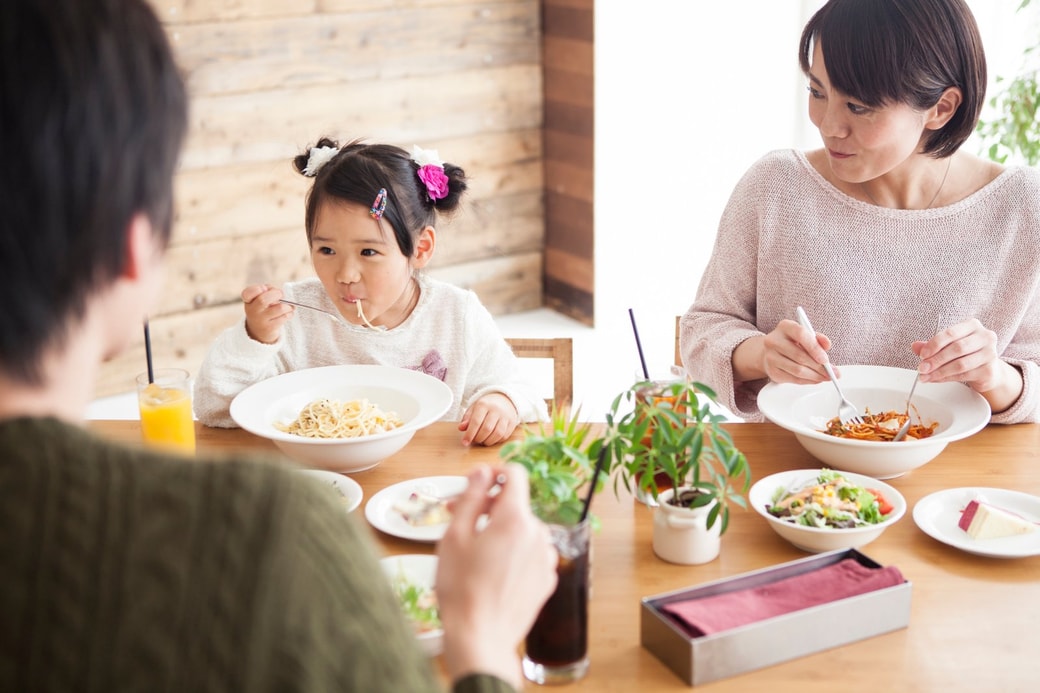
967,353
492,582
265,313
788,354
489,420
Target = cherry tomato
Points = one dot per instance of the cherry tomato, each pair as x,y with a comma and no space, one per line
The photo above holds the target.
884,507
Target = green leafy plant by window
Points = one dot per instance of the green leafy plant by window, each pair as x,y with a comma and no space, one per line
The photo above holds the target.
1014,130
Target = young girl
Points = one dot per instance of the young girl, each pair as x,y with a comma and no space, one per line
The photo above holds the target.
370,224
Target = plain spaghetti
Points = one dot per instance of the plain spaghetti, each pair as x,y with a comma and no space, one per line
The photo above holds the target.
329,418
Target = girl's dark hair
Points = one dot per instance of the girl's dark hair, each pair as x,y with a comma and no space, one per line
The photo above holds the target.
903,51
358,171
92,114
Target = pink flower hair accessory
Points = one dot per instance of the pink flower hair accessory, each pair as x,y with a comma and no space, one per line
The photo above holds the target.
431,172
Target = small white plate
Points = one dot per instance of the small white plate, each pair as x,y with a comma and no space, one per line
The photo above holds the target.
937,515
381,514
349,490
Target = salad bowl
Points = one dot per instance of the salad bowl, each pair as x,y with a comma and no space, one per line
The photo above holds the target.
816,539
413,578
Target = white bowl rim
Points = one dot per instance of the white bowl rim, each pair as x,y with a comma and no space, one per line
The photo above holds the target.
891,494
972,409
279,385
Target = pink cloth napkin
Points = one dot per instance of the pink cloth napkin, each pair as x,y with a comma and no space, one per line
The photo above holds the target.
846,578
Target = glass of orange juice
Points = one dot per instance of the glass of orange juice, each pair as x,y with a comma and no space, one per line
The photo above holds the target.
165,405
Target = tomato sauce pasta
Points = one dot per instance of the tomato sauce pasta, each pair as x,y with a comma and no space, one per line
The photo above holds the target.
329,418
880,427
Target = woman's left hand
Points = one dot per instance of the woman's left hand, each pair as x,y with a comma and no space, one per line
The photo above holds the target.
967,353
489,420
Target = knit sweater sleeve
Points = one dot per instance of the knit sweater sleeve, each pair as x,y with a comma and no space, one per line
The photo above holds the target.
724,312
234,362
492,366
330,620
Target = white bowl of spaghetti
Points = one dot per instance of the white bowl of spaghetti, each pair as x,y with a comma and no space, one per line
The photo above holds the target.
341,418
956,411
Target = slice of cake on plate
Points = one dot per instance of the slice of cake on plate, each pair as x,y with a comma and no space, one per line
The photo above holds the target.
423,510
982,520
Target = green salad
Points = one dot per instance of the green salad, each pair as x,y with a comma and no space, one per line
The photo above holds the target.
830,500
419,603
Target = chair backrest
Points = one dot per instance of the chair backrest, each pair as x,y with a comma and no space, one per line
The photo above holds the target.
560,351
678,354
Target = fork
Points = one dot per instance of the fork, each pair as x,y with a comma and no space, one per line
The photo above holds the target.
906,426
332,316
848,413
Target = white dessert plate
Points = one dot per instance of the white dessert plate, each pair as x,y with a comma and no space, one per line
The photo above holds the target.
380,513
937,515
349,490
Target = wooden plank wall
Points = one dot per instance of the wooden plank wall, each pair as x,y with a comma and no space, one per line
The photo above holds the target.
268,77
567,42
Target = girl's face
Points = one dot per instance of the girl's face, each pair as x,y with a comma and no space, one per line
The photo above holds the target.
862,143
358,263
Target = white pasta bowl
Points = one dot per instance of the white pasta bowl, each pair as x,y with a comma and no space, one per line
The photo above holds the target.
418,399
805,410
819,539
418,571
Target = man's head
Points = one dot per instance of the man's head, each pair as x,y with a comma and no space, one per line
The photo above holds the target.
92,116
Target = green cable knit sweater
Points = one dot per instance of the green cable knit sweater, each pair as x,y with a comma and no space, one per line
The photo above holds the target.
128,570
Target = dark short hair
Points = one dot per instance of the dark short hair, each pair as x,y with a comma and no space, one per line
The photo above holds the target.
358,171
92,116
903,51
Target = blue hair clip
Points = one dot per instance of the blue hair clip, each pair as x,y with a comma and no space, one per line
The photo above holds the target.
379,206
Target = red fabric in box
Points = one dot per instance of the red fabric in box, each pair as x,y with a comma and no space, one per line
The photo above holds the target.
719,612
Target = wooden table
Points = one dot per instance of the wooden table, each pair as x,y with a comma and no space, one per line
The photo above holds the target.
974,625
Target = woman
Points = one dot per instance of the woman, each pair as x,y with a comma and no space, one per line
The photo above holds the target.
886,231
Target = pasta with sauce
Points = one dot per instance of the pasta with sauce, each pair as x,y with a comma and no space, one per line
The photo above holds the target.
329,418
880,427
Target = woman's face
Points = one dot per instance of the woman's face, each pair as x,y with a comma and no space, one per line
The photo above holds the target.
358,263
862,143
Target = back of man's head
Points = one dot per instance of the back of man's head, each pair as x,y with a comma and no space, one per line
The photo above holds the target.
92,115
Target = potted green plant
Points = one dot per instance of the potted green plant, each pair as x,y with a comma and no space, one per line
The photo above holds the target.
671,447
1014,130
560,458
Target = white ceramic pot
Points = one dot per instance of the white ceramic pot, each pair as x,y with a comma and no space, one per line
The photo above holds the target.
681,535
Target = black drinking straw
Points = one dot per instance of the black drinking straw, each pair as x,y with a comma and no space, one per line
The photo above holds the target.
639,345
148,352
592,487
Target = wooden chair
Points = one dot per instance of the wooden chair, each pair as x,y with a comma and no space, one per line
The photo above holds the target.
678,353
560,351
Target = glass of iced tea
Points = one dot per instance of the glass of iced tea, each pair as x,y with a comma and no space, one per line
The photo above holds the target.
165,406
557,647
655,393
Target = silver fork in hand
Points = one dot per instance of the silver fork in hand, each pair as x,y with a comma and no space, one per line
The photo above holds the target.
905,428
848,413
332,316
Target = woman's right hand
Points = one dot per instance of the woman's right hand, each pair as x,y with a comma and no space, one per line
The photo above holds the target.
788,354
265,313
